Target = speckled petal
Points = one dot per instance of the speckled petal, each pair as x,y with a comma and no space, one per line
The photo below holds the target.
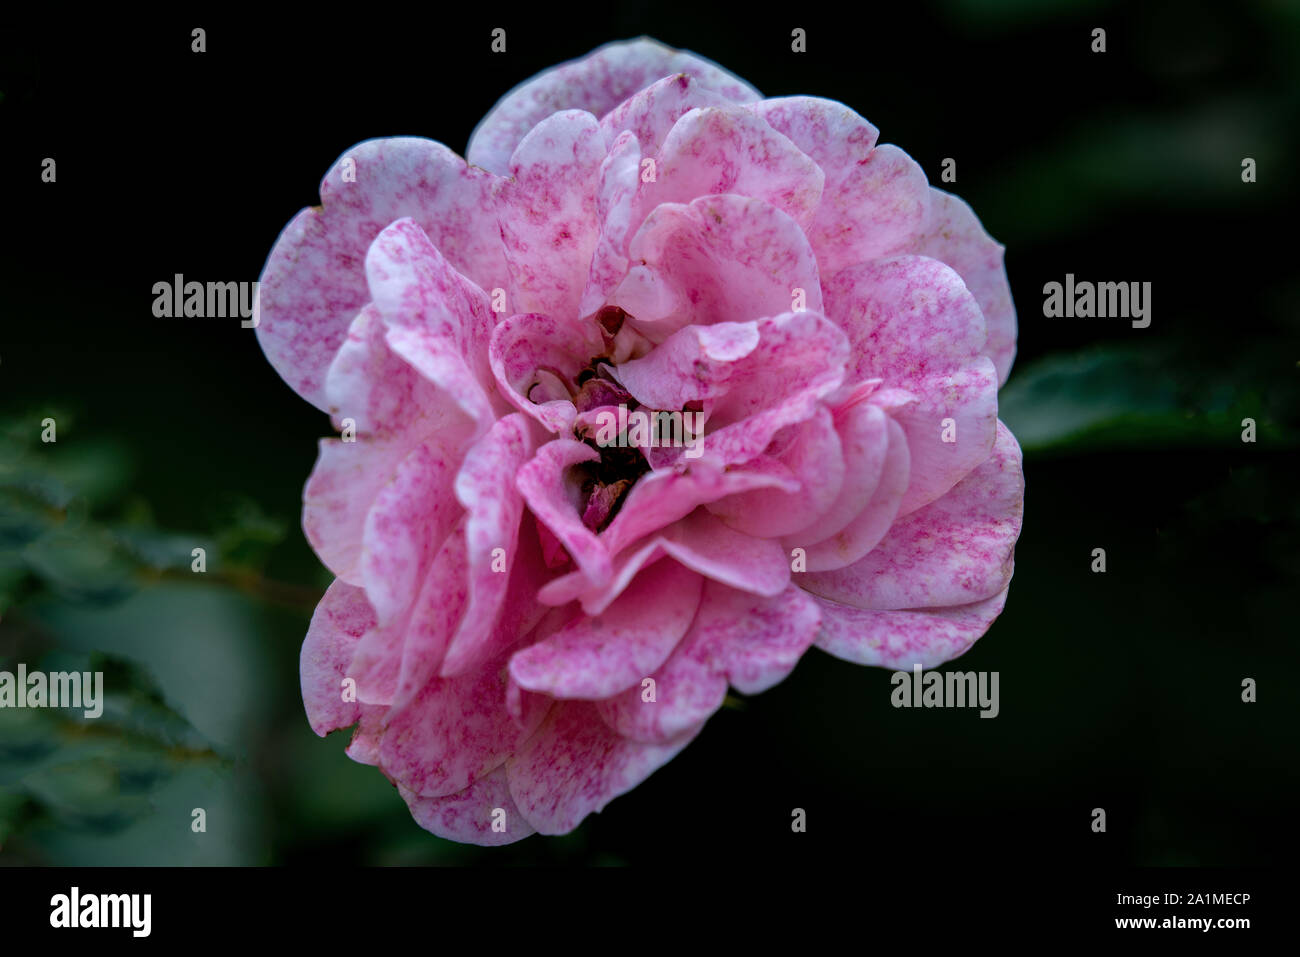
750,640
548,213
813,455
437,320
454,731
553,500
410,518
913,323
955,551
469,816
953,235
599,656
526,343
485,486
717,259
716,150
596,83
577,764
314,281
339,621
620,172
901,639
864,438
869,526
876,210
650,114
661,498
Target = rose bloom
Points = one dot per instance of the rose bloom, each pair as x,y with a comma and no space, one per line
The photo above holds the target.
530,616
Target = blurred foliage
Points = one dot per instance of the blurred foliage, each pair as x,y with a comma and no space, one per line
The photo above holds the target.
82,570
1149,396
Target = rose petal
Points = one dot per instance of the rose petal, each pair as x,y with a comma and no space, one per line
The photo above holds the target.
751,641
901,639
912,322
955,551
576,764
953,235
314,281
596,83
860,535
339,621
472,816
437,320
716,150
548,214
717,259
594,657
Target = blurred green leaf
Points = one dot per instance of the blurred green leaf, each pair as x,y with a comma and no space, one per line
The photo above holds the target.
1128,396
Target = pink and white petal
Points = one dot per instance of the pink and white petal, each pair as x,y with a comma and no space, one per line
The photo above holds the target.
435,617
955,551
799,354
576,764
650,114
452,732
344,483
815,457
364,746
717,259
700,542
968,397
437,320
379,390
518,616
390,658
548,214
595,657
620,172
660,498
314,280
552,496
876,210
526,344
693,364
485,487
955,236
834,136
750,640
597,83
864,439
411,516
469,816
907,318
912,321
869,526
902,639
339,621
714,150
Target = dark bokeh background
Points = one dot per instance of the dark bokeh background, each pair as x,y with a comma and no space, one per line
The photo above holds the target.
1119,690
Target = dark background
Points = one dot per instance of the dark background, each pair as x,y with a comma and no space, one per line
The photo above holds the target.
1119,690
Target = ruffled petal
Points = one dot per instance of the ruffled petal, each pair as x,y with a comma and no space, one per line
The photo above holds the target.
596,83
314,281
955,551
576,764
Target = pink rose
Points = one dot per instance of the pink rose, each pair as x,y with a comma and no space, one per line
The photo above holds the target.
534,609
